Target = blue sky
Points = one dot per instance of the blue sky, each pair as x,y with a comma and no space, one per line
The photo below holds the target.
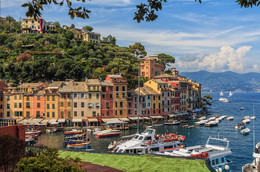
216,35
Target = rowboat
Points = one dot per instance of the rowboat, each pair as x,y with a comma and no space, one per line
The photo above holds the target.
175,122
230,118
79,145
73,132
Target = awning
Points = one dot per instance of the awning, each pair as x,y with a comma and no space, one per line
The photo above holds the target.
45,121
109,119
172,115
35,121
156,117
61,120
146,118
76,120
135,118
52,120
92,120
124,119
115,122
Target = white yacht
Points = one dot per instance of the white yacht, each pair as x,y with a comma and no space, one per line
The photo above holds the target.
255,165
148,141
225,100
215,150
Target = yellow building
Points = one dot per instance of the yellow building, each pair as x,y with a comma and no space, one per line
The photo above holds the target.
93,98
30,25
51,98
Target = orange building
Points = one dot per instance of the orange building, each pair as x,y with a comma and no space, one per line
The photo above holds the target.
149,67
38,104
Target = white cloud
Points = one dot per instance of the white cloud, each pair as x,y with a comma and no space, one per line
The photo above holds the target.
227,59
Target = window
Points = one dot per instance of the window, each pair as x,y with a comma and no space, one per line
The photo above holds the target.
89,105
15,97
48,98
27,105
38,97
117,88
20,105
123,88
153,97
8,98
1,106
75,113
117,95
53,106
168,94
68,104
53,98
154,106
103,96
61,104
8,113
75,104
129,104
121,112
75,95
110,96
217,161
27,98
111,88
123,95
69,114
53,114
27,114
82,113
107,113
48,106
116,104
107,105
97,95
121,104
162,94
222,159
38,105
82,104
163,103
103,89
15,105
82,95
116,112
68,96
33,21
159,105
148,97
20,97
213,162
94,87
89,96
97,105
159,97
62,114
94,113
129,112
136,112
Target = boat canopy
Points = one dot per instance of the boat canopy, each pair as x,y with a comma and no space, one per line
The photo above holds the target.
109,119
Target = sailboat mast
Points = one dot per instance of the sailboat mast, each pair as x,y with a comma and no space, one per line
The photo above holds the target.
253,123
138,99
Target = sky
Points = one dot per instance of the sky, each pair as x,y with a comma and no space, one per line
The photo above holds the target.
217,35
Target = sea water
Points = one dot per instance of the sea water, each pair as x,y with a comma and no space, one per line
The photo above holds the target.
241,146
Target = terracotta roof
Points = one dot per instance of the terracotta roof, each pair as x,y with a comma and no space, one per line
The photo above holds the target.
146,90
74,87
30,85
165,75
40,93
93,82
159,81
115,76
56,84
108,83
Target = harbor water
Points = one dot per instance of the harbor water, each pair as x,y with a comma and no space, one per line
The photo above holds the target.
241,146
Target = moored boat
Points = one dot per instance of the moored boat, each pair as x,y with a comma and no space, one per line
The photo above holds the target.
242,108
174,122
255,165
80,145
202,118
240,126
202,122
73,132
245,121
252,117
211,123
245,131
107,133
230,118
215,151
148,141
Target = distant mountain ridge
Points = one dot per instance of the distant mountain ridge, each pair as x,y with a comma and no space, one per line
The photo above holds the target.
226,81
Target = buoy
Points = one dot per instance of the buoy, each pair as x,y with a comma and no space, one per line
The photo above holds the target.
220,169
227,167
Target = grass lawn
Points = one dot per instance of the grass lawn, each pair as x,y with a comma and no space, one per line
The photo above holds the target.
139,163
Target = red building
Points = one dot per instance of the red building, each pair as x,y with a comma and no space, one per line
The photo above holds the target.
107,99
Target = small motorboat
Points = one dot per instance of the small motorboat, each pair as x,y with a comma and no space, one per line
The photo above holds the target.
211,123
245,121
252,117
202,122
73,132
245,131
184,121
230,118
80,145
174,122
202,118
107,133
216,116
240,126
246,117
242,108
212,118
